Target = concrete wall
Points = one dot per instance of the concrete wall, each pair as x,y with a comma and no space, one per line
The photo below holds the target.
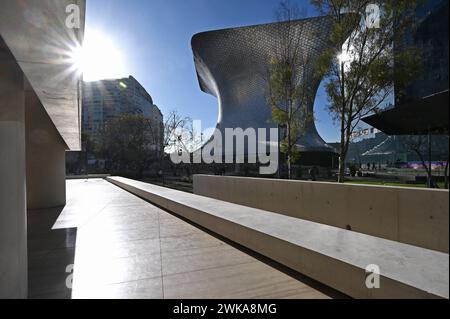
37,35
409,215
31,51
45,153
13,224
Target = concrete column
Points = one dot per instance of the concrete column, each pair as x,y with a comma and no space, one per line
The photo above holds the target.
13,223
46,167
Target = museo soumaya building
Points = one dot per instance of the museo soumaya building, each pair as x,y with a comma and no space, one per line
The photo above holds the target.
40,112
232,65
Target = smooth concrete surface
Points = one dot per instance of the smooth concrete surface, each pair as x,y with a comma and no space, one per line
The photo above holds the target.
35,69
333,256
45,153
41,42
49,253
13,243
124,247
413,216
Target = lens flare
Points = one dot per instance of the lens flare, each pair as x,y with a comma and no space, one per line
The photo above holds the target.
98,58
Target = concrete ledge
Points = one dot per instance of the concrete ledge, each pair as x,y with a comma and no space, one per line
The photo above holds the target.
409,215
90,176
331,255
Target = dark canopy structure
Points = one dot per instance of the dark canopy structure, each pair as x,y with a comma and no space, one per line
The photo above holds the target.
422,116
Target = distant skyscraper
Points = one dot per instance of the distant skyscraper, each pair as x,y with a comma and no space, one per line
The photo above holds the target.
431,37
423,106
105,100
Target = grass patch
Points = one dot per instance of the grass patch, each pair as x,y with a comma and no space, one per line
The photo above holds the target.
398,184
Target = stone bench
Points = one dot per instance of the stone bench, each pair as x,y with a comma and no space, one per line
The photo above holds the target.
412,216
333,256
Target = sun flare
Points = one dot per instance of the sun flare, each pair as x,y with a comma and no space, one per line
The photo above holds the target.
98,58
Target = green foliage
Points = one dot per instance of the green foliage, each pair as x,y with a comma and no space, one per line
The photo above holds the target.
126,142
88,144
408,62
288,97
279,116
377,59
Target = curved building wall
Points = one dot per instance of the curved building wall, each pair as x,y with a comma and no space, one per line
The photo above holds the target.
232,65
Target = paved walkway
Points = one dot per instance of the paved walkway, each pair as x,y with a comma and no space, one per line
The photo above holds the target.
125,247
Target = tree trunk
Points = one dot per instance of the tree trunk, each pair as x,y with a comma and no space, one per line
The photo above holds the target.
446,174
342,153
427,170
289,166
341,174
429,178
289,153
429,173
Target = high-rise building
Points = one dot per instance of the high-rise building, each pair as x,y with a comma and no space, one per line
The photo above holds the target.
108,99
431,37
423,107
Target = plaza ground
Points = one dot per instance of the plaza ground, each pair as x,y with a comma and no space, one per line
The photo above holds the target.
121,246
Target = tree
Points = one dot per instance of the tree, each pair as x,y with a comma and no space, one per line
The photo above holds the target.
173,126
89,147
360,75
420,145
446,172
288,88
427,148
182,137
128,142
181,134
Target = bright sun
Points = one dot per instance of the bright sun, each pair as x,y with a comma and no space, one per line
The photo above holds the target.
98,58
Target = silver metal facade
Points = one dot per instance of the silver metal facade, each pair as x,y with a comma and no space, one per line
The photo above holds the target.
232,65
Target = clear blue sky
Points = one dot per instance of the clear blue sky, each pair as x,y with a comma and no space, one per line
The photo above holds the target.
154,37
